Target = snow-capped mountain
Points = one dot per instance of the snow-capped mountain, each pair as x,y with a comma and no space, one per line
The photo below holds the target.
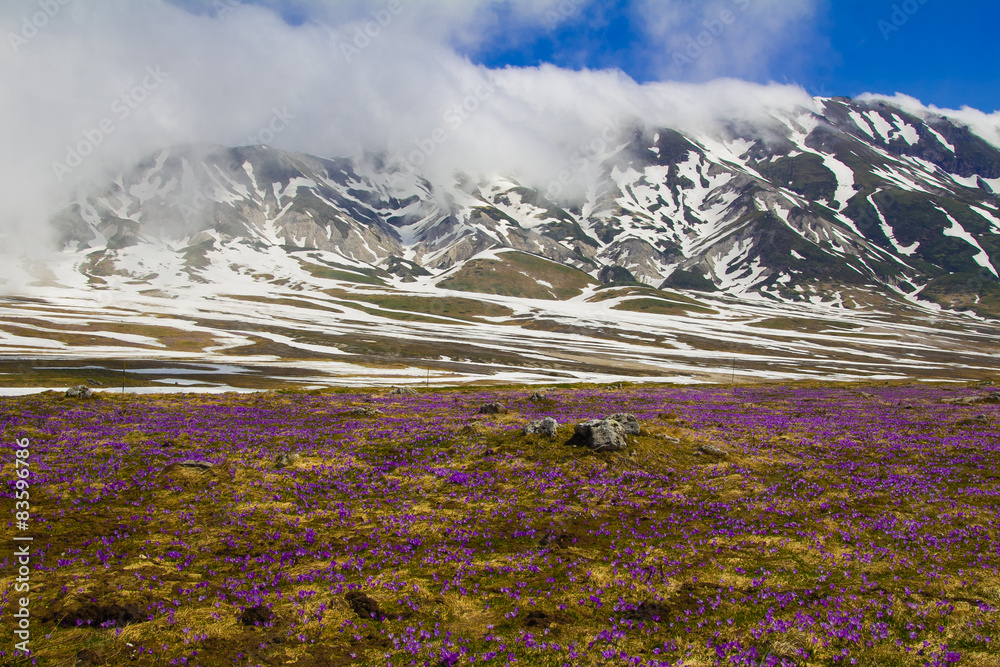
825,242
848,194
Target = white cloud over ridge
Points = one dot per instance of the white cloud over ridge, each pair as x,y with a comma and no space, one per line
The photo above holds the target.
985,125
120,79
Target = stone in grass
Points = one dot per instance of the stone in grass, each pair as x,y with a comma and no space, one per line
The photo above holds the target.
628,422
203,466
81,391
403,391
365,411
492,409
712,450
364,606
256,616
547,426
599,435
992,397
285,460
189,472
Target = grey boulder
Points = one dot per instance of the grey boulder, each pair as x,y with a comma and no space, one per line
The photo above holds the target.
628,422
81,391
600,435
547,426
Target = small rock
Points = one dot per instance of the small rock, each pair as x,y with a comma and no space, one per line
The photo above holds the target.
599,435
865,394
285,460
95,383
992,397
492,409
545,426
539,398
196,465
81,391
365,411
364,606
713,451
671,439
628,422
256,616
403,391
982,418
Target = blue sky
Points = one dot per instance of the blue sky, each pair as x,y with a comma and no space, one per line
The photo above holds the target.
944,53
941,52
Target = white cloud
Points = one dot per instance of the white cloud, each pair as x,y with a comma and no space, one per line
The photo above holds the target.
986,125
704,39
222,76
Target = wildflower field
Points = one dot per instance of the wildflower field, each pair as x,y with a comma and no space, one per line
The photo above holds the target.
762,525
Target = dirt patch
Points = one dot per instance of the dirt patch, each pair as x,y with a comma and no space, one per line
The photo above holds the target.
364,606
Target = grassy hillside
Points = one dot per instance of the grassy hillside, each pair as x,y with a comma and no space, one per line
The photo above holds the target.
519,274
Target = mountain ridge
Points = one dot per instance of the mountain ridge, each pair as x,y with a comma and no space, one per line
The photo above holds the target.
864,194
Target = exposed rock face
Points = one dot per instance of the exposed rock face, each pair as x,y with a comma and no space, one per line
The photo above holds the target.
365,411
492,409
285,460
547,426
81,391
712,450
628,422
992,397
600,435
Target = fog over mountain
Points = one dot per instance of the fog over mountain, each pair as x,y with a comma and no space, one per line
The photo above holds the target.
97,87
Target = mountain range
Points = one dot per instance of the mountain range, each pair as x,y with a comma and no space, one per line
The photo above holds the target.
857,205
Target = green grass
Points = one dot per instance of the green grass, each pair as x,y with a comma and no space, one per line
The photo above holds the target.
518,274
804,325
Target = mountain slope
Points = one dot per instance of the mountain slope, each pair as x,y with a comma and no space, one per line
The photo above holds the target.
849,194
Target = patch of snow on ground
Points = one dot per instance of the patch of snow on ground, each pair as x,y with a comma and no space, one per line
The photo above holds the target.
994,220
958,231
883,127
907,131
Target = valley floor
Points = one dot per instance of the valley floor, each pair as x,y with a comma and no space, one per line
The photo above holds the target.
757,525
